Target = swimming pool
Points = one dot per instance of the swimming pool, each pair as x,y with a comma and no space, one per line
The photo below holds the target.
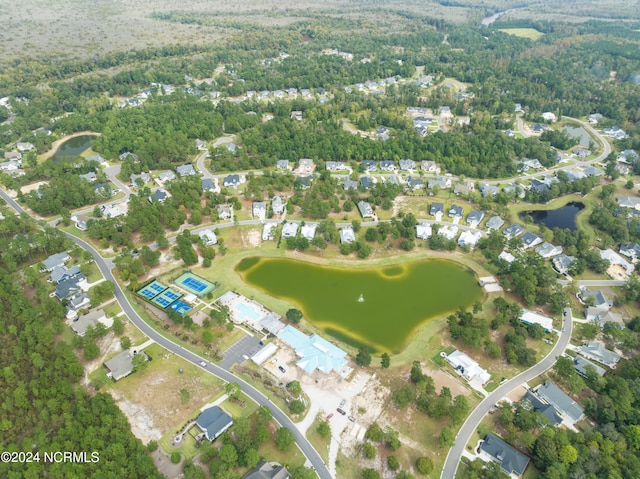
246,312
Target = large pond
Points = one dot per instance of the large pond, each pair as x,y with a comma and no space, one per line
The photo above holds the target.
564,217
73,147
378,307
578,132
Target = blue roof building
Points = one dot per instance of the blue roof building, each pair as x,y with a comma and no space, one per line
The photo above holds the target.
314,351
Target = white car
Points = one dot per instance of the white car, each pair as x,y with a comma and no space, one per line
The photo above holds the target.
203,364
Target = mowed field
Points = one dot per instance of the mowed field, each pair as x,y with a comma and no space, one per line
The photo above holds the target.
530,33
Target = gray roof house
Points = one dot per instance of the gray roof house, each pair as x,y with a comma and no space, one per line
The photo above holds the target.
207,184
369,165
278,204
365,209
600,301
436,209
70,286
289,230
566,406
456,211
120,366
407,165
349,184
630,250
159,195
547,410
347,235
166,176
303,182
283,165
510,459
488,190
91,319
90,177
430,167
494,223
474,218
225,212
208,237
562,262
366,182
55,260
75,302
597,352
213,422
309,230
259,209
186,170
388,165
268,470
581,366
144,177
231,181
441,183
336,166
61,273
513,230
530,240
629,202
547,250
414,183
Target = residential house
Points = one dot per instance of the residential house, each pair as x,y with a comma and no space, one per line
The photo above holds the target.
474,218
232,147
628,156
506,256
562,263
208,237
574,174
303,182
593,171
488,190
201,145
389,166
289,230
514,189
121,365
334,166
259,210
615,132
90,177
268,470
11,165
547,250
464,188
308,230
158,195
55,261
269,231
538,129
529,240
231,181
630,250
382,133
456,212
366,182
602,317
584,367
581,152
441,182
225,212
75,303
414,184
469,239
596,298
494,223
564,405
616,260
186,170
168,176
530,317
283,165
445,112
598,352
296,115
407,165
423,231
366,210
594,118
24,146
111,211
81,221
430,167
369,165
207,185
12,155
349,184
70,286
518,108
347,235
91,319
437,210
539,185
143,177
128,154
62,273
278,205
549,116
315,352
532,402
629,202
526,164
467,367
513,231
448,232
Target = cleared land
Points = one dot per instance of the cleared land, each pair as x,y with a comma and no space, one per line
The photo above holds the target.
530,33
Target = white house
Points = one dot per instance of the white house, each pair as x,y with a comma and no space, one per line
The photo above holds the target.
467,367
208,237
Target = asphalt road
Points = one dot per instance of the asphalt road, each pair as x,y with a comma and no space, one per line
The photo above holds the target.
471,424
258,397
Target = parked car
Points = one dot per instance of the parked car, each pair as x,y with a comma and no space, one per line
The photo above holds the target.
341,411
329,416
343,402
352,419
282,370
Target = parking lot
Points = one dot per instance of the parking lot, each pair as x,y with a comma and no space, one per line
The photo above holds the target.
245,347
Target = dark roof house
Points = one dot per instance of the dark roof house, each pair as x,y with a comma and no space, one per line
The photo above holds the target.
566,406
268,470
510,459
213,422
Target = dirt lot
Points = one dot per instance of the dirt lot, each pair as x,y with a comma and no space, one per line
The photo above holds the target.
444,379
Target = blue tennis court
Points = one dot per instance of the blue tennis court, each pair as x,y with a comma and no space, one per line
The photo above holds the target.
167,297
194,284
152,290
163,302
180,307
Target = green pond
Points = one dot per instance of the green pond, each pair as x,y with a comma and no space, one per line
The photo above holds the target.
379,307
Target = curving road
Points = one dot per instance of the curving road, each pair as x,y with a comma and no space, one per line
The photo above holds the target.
105,267
471,424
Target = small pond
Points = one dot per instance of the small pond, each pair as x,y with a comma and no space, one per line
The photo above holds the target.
73,147
577,131
564,217
380,307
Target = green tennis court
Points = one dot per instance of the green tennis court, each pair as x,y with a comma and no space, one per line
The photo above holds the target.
195,284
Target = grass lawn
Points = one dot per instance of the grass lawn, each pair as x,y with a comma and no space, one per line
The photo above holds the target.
243,406
530,33
348,467
321,444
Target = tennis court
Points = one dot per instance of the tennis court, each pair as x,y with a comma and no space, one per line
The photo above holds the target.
165,298
152,290
195,284
180,307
